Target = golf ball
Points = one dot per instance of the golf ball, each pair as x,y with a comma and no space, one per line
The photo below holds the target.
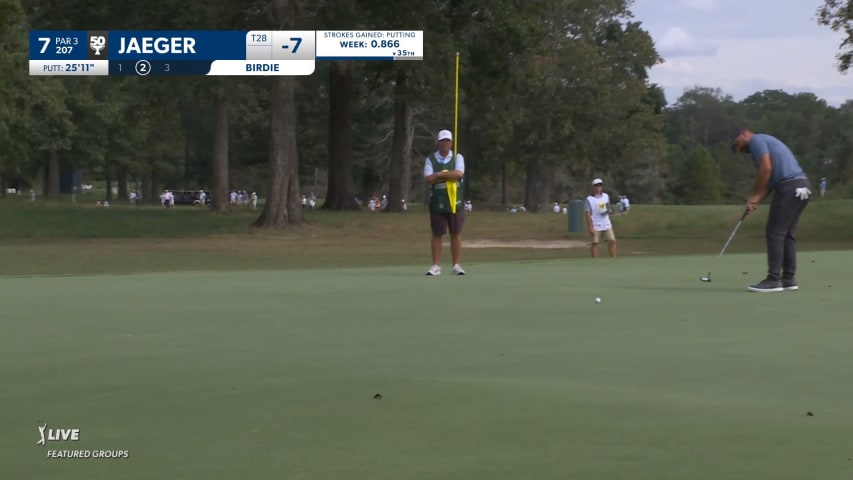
597,300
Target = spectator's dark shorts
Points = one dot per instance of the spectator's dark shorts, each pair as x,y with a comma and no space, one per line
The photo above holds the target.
440,222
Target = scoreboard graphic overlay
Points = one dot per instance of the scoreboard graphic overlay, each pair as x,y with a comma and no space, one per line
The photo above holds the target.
214,53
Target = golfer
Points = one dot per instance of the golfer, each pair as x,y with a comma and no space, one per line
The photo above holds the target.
598,211
780,173
442,168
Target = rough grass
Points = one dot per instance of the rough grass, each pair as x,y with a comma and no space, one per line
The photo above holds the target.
41,239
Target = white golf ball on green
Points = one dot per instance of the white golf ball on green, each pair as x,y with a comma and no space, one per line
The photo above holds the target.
597,299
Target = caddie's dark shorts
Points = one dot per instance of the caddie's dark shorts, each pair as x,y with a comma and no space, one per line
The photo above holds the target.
440,222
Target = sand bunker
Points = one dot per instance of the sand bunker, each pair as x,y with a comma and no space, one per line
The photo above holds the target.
523,244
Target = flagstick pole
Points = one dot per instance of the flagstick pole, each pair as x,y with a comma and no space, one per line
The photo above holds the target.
456,108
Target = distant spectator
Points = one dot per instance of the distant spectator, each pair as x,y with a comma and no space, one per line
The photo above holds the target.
598,219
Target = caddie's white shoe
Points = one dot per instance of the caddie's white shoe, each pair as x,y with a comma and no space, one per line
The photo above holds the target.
457,270
434,270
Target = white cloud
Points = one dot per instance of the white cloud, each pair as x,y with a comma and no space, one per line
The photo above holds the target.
676,42
789,64
768,45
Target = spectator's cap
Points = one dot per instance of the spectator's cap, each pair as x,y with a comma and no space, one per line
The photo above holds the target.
445,135
597,181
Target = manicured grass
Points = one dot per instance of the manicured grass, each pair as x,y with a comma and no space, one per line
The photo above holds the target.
210,351
510,372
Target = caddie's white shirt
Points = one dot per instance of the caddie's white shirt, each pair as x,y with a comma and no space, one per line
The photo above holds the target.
460,162
597,206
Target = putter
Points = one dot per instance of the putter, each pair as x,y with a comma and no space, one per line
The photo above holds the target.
726,245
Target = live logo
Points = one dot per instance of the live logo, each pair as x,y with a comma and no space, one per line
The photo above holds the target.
59,434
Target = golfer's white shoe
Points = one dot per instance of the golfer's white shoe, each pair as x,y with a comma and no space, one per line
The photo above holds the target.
457,270
434,270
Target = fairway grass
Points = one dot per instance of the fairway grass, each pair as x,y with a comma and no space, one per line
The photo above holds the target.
510,372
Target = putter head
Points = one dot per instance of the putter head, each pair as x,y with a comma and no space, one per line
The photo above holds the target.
706,279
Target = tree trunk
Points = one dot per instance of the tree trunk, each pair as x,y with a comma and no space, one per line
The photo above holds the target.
407,154
398,147
145,191
339,195
188,105
155,187
108,197
52,187
187,160
503,183
122,184
282,207
220,202
538,184
3,186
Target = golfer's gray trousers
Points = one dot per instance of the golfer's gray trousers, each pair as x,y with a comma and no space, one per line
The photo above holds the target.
785,210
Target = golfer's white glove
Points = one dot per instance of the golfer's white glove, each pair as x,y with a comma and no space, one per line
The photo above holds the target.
803,193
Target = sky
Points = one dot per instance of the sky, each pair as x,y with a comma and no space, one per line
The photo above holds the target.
743,46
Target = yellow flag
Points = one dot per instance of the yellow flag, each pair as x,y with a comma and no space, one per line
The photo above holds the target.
451,194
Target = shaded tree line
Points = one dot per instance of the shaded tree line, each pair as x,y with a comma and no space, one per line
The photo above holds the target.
552,93
702,169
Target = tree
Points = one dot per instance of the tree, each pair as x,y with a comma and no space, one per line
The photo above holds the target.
327,15
282,206
701,115
14,94
700,182
220,201
838,15
339,195
402,145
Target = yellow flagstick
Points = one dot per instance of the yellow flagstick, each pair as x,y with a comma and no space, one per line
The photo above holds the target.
451,186
456,106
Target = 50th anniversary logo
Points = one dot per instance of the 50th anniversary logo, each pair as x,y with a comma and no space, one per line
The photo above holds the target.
55,435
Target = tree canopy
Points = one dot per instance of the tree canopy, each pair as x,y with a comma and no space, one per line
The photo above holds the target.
552,94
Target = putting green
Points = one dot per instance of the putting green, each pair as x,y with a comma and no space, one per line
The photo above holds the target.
510,372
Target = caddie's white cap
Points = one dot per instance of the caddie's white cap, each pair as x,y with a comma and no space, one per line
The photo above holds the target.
597,181
445,135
